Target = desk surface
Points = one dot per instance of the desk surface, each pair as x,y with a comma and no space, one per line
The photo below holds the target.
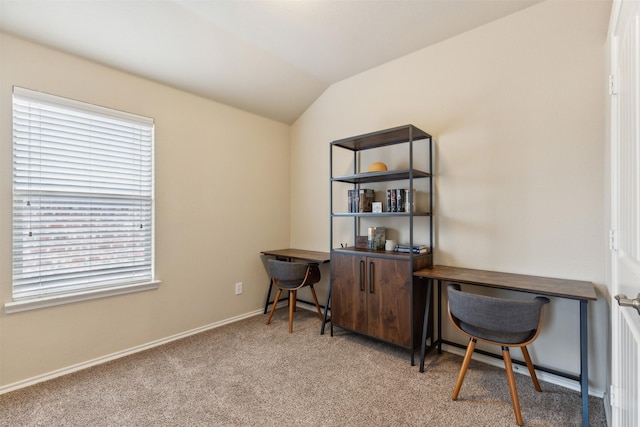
311,256
573,289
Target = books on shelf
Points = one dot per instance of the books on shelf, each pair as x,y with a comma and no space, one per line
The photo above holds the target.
398,200
417,249
392,201
360,200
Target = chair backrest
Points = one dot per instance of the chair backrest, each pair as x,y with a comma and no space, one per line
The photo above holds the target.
495,319
293,274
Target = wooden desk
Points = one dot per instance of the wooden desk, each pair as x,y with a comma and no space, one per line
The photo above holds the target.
571,289
290,255
301,254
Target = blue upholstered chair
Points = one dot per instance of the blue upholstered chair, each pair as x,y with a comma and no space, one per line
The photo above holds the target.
291,276
497,321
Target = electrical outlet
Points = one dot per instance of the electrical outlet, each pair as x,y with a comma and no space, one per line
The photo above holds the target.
238,288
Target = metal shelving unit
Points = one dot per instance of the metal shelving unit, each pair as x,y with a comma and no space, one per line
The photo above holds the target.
420,178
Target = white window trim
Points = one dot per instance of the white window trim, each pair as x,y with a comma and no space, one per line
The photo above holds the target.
72,103
22,305
37,303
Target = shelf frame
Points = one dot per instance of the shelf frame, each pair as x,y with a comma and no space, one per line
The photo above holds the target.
406,134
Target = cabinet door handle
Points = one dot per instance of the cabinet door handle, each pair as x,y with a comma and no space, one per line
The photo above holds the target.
362,275
370,277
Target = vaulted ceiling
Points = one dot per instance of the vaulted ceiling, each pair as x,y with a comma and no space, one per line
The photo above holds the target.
273,58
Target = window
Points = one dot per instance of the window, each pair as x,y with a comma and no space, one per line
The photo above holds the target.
82,200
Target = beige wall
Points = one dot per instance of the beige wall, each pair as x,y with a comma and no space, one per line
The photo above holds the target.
517,108
222,191
517,111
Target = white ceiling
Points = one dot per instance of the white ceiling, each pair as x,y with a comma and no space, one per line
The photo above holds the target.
273,58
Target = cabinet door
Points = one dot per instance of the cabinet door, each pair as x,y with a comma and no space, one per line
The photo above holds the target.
389,300
348,292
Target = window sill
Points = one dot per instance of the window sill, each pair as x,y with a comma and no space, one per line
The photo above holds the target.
37,303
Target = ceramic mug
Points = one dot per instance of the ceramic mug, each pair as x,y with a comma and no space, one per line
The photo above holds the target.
390,245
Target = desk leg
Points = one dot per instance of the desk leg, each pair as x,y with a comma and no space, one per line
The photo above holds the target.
425,325
584,367
326,309
439,316
266,304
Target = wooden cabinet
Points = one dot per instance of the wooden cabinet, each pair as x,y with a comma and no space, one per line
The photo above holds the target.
375,296
373,292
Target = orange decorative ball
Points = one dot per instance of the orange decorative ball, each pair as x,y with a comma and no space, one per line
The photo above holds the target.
377,167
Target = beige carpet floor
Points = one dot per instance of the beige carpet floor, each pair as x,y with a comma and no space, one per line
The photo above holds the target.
250,374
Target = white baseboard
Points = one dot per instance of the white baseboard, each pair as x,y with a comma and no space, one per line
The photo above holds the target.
607,408
119,354
544,376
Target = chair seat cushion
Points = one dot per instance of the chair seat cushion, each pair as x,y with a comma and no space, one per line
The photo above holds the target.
496,336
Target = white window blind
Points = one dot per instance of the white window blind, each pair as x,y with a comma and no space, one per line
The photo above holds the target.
82,197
